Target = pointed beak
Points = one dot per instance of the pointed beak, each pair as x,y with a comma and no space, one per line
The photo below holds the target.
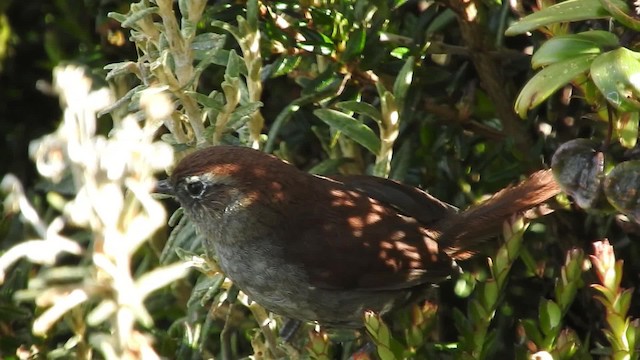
163,187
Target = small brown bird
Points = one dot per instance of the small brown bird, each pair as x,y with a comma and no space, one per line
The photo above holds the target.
326,249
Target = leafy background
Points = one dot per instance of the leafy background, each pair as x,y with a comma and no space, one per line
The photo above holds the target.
441,95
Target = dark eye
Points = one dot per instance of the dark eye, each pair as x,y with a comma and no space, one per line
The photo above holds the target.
196,188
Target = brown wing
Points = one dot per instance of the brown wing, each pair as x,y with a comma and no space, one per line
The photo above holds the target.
406,200
366,240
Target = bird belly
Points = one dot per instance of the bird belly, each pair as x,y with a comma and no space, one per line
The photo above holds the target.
284,289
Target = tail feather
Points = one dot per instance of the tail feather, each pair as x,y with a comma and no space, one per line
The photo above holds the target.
463,233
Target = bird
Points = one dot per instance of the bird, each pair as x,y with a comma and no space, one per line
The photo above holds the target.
325,249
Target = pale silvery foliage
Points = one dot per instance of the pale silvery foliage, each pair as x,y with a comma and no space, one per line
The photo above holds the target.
112,177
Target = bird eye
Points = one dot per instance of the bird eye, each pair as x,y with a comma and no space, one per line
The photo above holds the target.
196,188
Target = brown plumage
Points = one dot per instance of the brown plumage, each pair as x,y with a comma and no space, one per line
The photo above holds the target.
327,248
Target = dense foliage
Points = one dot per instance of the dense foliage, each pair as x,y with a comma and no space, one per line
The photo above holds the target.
460,98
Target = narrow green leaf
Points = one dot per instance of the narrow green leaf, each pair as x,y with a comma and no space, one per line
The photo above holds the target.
244,111
233,65
117,16
355,44
549,80
231,29
600,37
213,101
403,81
205,289
121,68
284,65
400,162
351,127
441,21
570,10
360,108
137,16
252,14
208,41
566,47
619,9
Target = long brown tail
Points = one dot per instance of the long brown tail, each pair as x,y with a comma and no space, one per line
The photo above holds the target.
464,232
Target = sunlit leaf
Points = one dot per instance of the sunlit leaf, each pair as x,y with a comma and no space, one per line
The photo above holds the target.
549,80
361,108
617,75
566,11
350,127
560,48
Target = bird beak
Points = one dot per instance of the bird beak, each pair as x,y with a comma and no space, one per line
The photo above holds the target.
163,187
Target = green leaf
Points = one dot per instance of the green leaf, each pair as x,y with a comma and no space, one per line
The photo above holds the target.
619,9
355,44
137,16
615,73
328,80
117,16
316,42
463,325
233,65
441,21
284,65
624,301
121,68
501,261
205,289
550,316
351,127
490,293
549,80
566,47
213,101
400,52
465,284
600,37
617,323
386,353
229,28
477,313
532,331
570,10
401,161
252,14
360,108
204,44
387,347
243,111
403,80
